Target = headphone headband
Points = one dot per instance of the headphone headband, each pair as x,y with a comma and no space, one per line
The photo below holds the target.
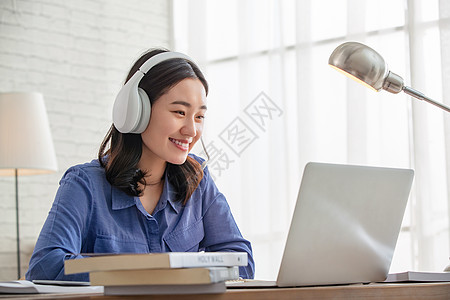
131,110
159,58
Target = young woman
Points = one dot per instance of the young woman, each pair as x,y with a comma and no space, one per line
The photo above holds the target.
145,192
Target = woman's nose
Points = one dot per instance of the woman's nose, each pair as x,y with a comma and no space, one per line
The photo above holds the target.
189,128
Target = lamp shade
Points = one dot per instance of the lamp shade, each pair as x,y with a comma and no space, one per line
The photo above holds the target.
364,64
25,139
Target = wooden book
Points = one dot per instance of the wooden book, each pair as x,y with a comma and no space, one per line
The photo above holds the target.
155,261
184,276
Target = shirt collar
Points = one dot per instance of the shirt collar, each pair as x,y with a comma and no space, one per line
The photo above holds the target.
120,200
168,196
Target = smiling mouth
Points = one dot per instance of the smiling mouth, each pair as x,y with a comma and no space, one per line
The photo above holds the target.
180,144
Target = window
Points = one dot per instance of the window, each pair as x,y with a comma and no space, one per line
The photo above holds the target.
276,52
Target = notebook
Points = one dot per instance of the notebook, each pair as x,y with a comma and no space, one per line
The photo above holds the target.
344,227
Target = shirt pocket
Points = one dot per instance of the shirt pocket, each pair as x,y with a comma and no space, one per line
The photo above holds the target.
186,239
113,244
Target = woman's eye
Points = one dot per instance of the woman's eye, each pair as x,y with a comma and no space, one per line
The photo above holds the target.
179,112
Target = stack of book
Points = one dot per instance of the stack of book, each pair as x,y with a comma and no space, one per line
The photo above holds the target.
160,273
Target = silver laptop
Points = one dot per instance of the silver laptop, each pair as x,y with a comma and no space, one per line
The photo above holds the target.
345,226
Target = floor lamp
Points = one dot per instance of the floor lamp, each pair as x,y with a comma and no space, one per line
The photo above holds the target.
366,66
26,146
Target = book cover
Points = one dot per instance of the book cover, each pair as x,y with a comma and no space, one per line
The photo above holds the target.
418,276
184,276
213,288
155,261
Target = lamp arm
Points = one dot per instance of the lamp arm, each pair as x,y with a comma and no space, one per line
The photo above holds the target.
418,95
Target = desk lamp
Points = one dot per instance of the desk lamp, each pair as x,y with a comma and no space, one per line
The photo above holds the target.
26,146
366,66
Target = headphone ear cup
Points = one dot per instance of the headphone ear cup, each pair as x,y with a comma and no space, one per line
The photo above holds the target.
131,110
127,108
146,108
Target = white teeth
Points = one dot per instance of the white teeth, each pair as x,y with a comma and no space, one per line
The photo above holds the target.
184,145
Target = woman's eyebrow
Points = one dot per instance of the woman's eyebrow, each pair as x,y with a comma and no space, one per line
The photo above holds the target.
187,104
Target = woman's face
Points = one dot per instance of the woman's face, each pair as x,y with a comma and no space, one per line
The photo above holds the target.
176,122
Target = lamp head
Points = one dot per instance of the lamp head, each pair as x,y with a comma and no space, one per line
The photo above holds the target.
366,66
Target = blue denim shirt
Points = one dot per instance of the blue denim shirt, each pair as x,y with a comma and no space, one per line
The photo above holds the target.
90,216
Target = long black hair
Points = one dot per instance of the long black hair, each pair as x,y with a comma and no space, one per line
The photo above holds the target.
120,153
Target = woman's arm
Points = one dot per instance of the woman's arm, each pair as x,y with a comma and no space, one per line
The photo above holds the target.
62,235
221,230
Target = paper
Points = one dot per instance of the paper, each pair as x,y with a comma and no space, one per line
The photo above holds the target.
28,287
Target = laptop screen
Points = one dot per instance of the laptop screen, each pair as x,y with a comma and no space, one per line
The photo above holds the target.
345,224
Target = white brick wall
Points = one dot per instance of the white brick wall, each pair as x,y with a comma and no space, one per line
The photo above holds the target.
76,53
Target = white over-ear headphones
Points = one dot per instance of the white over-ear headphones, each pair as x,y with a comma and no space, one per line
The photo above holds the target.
131,111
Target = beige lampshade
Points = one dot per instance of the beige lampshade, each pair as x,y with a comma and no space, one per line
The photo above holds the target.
25,139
